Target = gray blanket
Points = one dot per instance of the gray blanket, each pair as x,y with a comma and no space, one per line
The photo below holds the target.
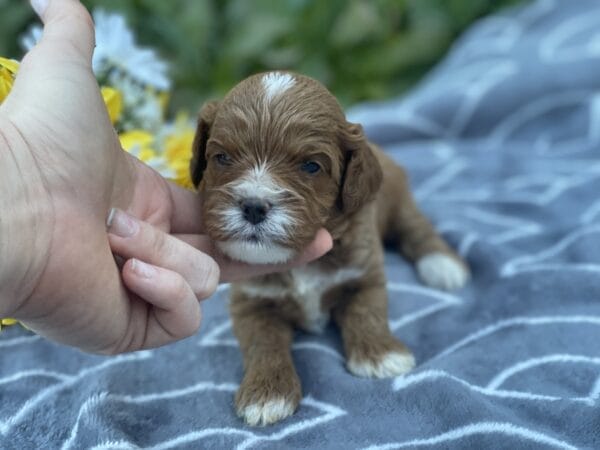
502,143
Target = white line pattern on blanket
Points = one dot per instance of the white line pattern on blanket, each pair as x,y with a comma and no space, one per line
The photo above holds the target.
329,412
501,142
518,321
68,381
507,429
499,379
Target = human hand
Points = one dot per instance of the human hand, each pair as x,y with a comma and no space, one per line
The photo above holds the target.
63,170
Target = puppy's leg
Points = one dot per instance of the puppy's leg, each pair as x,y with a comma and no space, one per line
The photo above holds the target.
270,390
371,349
437,264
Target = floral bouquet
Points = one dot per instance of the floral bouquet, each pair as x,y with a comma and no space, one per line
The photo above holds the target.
135,88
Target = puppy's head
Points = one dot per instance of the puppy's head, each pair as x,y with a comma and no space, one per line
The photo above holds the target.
276,160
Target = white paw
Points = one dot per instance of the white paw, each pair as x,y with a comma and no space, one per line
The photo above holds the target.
442,272
392,364
268,412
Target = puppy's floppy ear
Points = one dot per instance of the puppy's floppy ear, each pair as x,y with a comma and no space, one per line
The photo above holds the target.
205,121
362,174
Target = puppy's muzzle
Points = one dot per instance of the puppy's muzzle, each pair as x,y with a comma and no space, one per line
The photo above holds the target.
255,210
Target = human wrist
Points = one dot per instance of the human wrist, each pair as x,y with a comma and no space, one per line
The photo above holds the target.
25,220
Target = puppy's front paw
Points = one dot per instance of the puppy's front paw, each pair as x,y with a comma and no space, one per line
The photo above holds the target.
441,271
266,412
268,398
391,364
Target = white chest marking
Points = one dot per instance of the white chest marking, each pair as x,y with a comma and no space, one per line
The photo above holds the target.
276,83
307,289
309,286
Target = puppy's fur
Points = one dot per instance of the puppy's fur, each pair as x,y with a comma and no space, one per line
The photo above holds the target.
262,143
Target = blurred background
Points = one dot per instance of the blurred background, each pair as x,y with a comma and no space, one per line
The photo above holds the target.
361,49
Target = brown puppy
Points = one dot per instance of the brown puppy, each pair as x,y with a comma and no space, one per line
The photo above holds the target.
275,161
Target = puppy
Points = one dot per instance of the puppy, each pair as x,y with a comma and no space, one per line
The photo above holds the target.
274,161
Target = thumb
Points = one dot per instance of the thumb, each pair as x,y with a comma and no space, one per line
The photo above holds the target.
68,30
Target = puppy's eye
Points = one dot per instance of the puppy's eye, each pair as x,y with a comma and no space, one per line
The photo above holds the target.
310,167
222,159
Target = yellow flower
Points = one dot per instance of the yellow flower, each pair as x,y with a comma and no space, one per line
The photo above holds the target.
139,143
114,103
8,70
178,151
178,154
6,322
10,64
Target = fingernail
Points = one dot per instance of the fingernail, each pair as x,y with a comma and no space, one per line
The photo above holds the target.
142,269
39,6
121,224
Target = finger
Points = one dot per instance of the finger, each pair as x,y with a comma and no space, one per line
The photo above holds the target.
68,29
235,270
187,207
132,238
322,243
175,313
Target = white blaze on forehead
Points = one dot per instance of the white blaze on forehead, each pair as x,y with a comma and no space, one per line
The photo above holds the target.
276,83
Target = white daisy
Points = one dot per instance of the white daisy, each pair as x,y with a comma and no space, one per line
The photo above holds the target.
141,107
116,50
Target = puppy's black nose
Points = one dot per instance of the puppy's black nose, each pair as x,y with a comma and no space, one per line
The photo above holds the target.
254,209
